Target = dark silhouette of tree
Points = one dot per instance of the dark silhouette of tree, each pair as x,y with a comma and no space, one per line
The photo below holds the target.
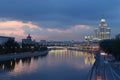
112,47
11,46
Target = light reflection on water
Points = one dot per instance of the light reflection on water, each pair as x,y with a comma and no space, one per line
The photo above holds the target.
21,67
57,65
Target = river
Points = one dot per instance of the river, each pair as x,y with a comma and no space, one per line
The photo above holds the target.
56,65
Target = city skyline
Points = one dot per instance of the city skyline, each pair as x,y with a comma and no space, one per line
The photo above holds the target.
57,19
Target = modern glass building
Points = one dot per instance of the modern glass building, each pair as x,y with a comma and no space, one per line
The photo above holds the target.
102,32
4,39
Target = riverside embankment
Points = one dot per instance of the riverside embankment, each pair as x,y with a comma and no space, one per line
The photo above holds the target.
21,55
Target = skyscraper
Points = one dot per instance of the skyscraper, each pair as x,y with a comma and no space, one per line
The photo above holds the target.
102,32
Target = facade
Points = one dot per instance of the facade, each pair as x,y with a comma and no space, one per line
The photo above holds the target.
103,32
57,43
118,36
43,42
28,40
29,43
4,39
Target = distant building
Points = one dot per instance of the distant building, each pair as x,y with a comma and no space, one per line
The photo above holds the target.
4,39
103,32
43,42
28,40
57,43
118,36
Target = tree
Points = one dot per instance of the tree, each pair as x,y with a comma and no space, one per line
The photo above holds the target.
111,46
11,46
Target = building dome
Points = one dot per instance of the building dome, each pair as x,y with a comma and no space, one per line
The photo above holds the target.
103,20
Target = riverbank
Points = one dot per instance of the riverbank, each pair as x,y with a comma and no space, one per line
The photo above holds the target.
22,55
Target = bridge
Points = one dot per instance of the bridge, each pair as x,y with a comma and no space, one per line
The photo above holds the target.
84,45
76,47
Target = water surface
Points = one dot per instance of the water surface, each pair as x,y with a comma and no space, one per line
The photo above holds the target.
56,65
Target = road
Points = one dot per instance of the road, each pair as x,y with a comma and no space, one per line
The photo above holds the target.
102,69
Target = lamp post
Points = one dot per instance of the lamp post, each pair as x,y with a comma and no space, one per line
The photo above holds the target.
87,38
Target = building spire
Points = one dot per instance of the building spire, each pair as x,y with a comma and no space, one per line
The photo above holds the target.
103,22
28,37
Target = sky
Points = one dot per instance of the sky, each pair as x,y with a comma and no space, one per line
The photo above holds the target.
57,19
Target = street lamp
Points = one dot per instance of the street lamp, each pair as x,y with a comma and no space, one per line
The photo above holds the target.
87,38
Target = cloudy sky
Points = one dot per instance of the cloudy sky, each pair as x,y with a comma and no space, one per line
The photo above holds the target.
57,19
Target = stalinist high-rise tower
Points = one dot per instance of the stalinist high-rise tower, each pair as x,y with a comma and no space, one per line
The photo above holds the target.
102,32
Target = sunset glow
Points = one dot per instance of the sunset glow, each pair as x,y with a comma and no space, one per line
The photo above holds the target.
21,29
